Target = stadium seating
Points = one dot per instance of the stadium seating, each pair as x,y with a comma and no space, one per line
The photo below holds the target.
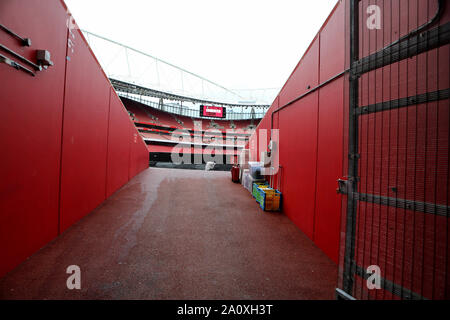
163,131
145,115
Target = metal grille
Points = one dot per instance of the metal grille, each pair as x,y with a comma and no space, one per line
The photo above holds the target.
396,207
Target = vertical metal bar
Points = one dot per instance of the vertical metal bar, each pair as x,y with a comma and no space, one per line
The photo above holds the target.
376,208
396,125
365,145
404,185
436,186
446,258
353,151
423,216
389,143
361,209
382,164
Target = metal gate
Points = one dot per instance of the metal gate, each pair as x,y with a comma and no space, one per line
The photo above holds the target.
395,230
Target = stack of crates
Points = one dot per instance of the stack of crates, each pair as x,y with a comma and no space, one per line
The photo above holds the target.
268,198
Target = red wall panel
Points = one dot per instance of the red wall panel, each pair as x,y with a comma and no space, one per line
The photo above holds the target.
330,134
329,168
86,114
332,45
118,145
298,151
139,155
305,75
30,131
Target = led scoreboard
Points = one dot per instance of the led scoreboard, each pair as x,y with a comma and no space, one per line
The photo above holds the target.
212,111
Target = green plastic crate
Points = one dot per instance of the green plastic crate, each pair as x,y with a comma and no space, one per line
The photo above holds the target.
256,185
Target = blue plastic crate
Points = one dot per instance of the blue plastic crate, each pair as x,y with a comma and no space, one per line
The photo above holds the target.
263,200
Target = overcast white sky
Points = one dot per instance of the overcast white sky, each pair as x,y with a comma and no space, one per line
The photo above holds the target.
240,44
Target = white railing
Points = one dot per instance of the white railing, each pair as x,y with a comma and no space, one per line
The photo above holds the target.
191,112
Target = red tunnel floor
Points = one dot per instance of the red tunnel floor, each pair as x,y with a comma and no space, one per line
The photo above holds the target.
178,234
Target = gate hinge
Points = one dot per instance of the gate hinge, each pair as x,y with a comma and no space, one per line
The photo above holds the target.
354,75
354,156
343,186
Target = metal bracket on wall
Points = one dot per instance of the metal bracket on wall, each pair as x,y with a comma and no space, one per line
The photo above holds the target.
42,56
15,65
18,56
26,42
343,186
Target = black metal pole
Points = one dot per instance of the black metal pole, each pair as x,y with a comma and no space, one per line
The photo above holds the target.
348,278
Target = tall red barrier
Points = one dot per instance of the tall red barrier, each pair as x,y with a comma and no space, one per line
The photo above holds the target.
304,77
139,155
310,121
30,131
298,148
63,133
86,114
118,145
330,134
329,165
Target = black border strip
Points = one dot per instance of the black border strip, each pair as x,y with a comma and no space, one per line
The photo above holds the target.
418,206
350,220
404,102
416,45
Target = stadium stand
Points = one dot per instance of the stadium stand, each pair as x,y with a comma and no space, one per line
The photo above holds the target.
143,114
163,131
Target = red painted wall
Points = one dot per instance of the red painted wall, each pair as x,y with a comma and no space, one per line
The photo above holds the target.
119,142
329,166
298,156
85,132
311,137
30,133
65,137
